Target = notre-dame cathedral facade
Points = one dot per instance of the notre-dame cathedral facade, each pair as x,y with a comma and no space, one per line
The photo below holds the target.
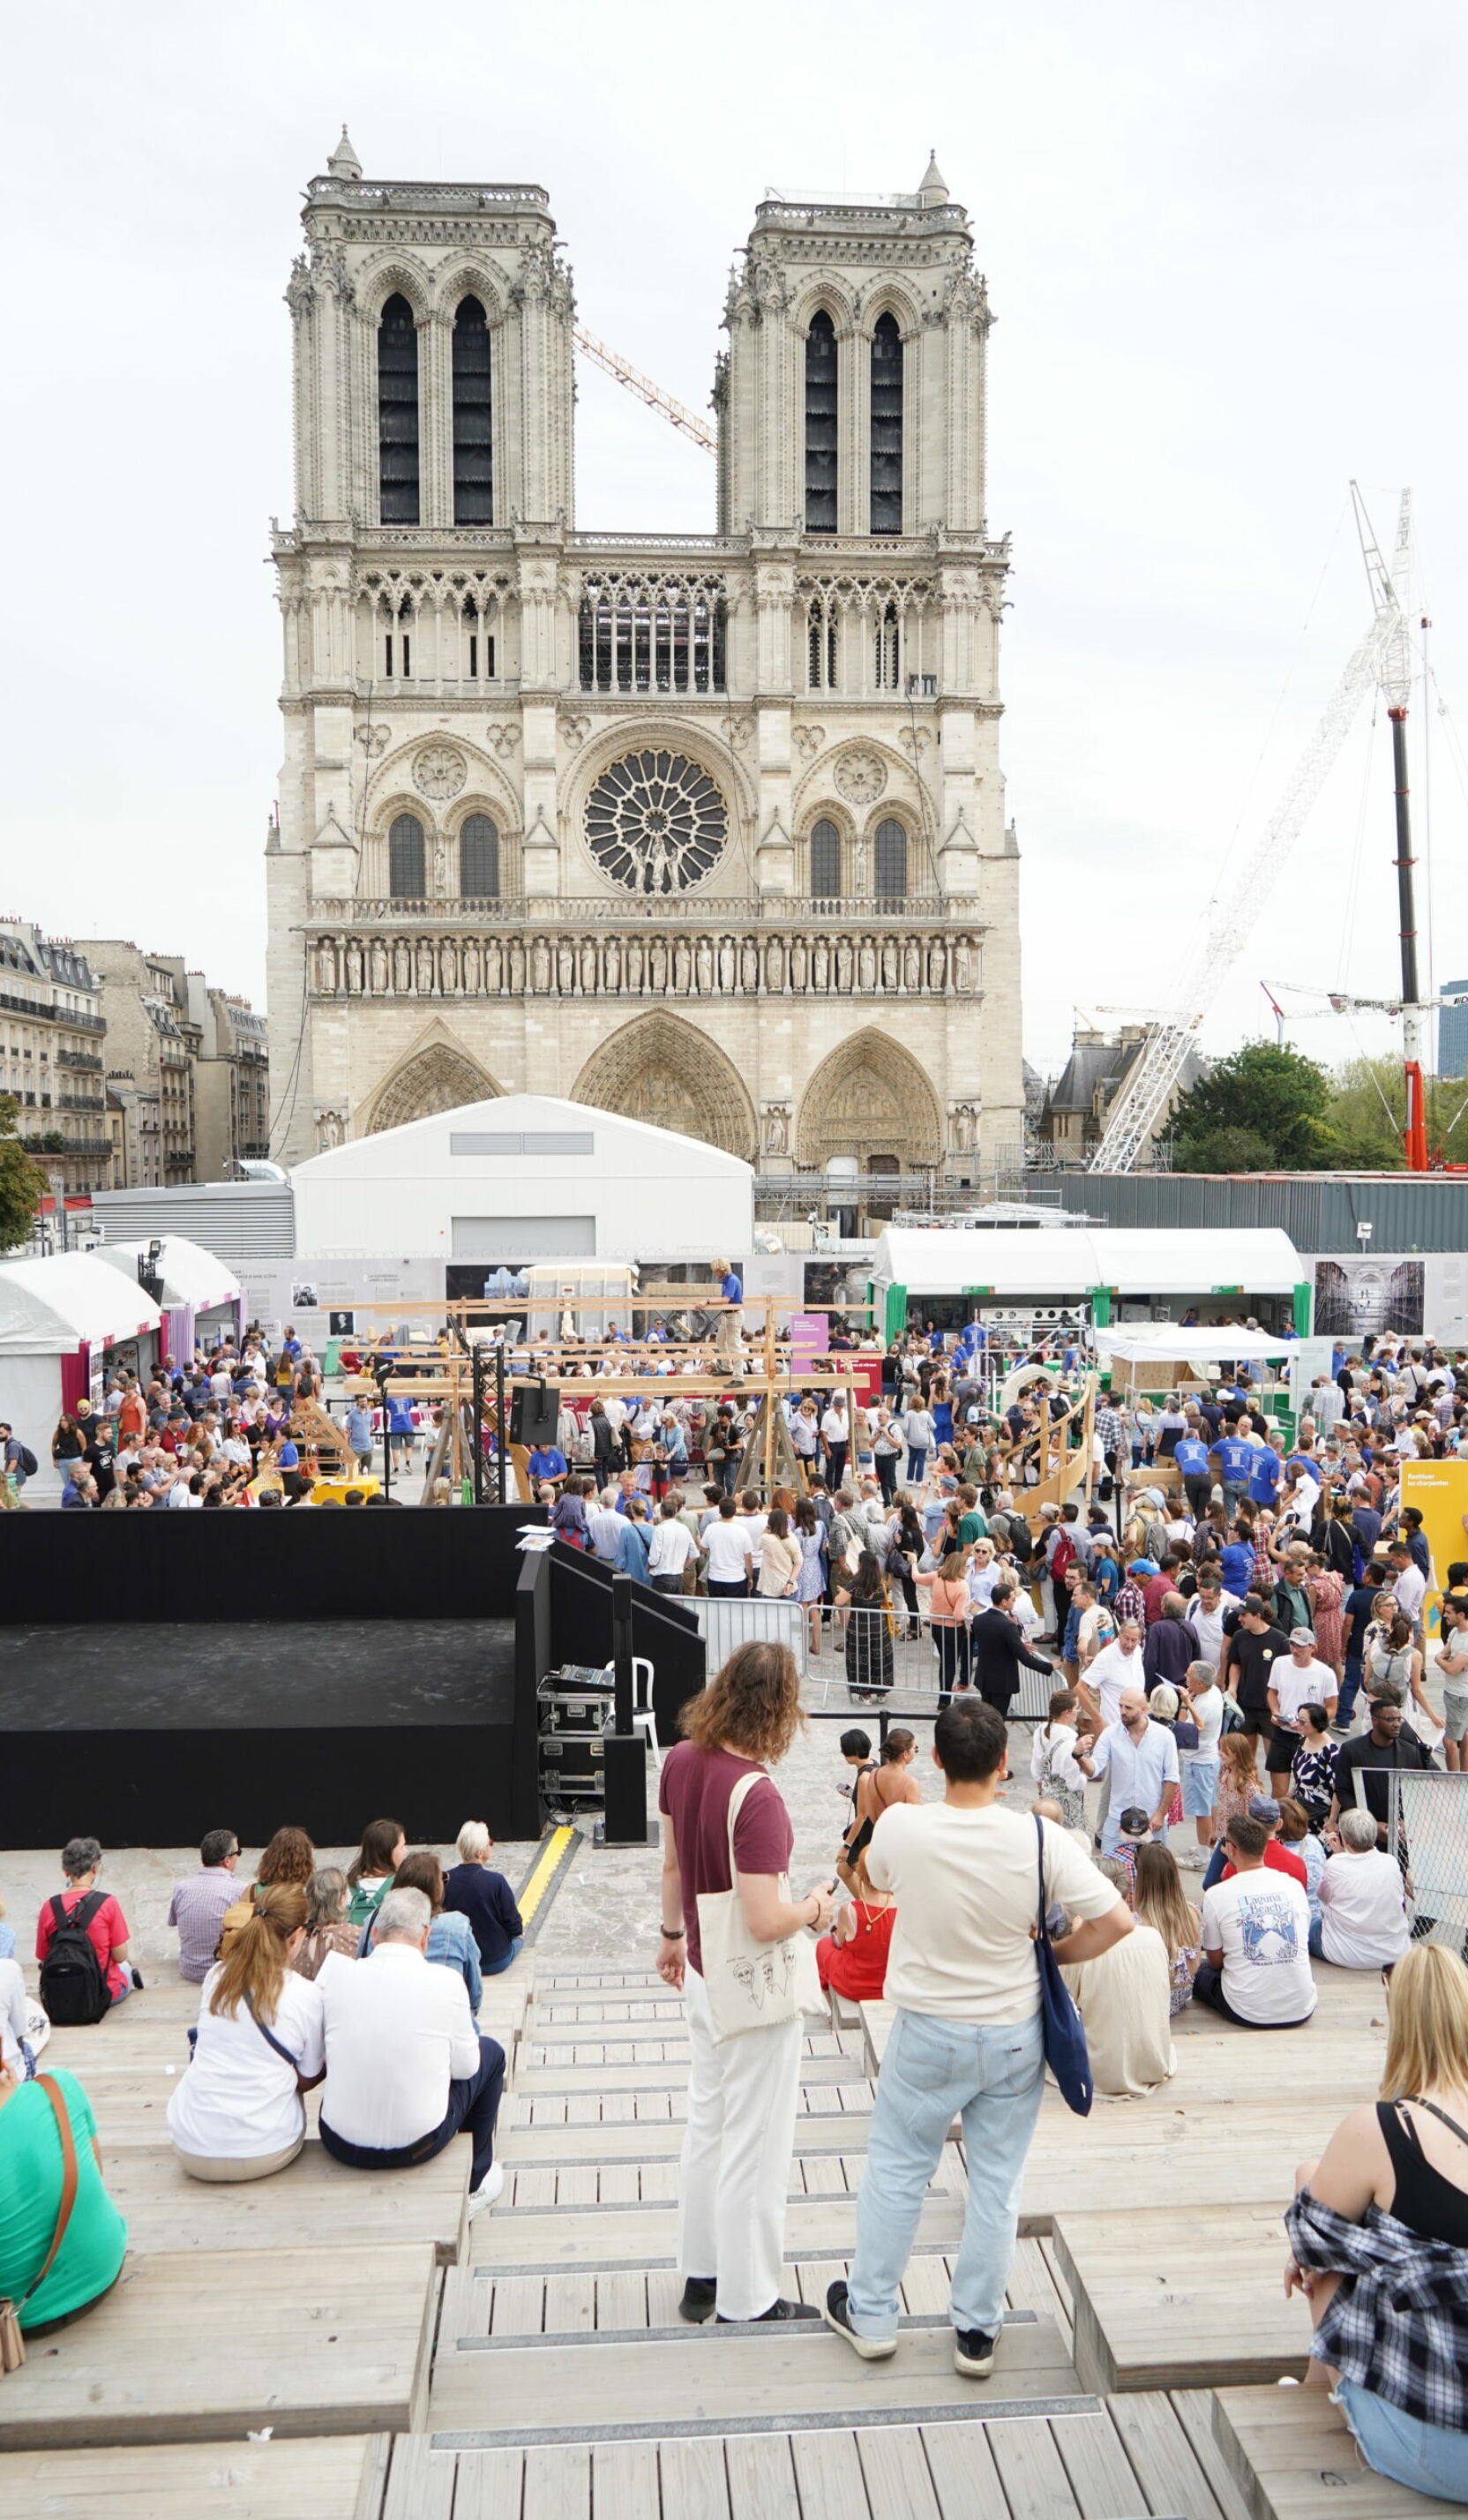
708,828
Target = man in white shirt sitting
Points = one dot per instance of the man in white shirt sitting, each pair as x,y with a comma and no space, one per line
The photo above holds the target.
406,2069
1254,1968
1362,1922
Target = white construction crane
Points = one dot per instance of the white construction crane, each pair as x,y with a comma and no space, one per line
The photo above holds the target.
1384,657
625,374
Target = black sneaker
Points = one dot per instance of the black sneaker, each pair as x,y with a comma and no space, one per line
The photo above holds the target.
698,2296
871,2348
777,2310
973,2353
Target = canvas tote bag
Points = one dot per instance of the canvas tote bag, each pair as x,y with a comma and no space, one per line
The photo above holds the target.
751,1985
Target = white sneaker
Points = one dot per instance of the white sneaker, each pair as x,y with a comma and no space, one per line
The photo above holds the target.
490,2187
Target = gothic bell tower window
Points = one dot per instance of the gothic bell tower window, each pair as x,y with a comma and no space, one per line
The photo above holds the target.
473,436
397,414
656,823
821,426
406,859
886,427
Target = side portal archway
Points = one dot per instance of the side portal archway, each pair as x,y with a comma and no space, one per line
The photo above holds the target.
439,1077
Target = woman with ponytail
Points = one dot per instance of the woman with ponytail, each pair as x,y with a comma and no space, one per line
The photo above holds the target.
236,2113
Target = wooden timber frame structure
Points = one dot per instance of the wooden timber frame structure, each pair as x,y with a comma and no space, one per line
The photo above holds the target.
698,1372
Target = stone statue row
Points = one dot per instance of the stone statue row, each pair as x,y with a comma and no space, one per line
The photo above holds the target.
614,967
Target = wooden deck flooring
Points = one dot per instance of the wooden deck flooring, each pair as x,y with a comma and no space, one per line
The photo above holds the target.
551,2378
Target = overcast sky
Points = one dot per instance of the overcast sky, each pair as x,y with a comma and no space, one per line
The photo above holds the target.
1226,250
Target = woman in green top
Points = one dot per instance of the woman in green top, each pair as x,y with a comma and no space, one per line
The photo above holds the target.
383,1847
90,2258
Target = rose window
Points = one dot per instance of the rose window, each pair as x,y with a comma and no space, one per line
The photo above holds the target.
656,823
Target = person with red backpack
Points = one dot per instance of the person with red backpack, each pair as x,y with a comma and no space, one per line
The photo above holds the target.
82,1941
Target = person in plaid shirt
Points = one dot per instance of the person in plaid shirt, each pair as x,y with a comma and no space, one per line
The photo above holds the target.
1112,1434
1379,2235
1129,1602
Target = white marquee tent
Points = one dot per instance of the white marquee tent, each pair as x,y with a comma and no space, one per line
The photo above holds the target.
1175,1265
62,1321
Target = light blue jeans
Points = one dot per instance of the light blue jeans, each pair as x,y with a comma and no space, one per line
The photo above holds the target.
992,2076
1401,2446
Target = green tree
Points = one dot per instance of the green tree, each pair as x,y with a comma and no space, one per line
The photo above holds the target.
22,1184
1368,1113
1262,1109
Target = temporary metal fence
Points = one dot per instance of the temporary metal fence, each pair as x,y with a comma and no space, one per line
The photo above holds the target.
1427,1831
864,1657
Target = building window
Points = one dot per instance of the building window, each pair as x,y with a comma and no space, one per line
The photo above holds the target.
479,859
890,867
887,659
822,657
821,426
397,414
473,447
664,635
886,428
825,863
405,859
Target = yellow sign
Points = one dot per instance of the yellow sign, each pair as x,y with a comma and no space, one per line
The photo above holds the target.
1440,1492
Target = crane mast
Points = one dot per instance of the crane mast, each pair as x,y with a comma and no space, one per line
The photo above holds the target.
1383,652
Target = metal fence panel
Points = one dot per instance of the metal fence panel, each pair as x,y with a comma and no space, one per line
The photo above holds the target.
1427,1830
866,1657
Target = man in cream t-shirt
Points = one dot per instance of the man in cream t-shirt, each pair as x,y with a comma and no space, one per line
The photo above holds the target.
964,1975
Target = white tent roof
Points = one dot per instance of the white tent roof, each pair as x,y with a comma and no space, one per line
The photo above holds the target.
526,1115
190,1275
1059,1261
1171,1343
52,1307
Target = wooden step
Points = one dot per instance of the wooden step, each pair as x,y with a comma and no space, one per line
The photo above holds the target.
760,2380
1292,2457
315,2203
614,2047
1170,2154
588,2184
576,2111
285,2480
672,2075
979,2466
1163,2300
643,2237
830,2131
195,2346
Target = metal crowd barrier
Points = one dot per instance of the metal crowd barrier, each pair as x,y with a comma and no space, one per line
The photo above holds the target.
867,1657
1427,1831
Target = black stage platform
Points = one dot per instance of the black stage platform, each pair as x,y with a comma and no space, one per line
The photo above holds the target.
319,1669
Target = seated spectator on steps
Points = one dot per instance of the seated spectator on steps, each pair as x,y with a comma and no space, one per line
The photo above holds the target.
1160,1901
1124,1999
105,1929
1379,2230
1362,1922
236,2113
853,1956
327,1928
406,2071
288,1861
473,1888
1278,1855
42,2124
1254,1968
369,1878
451,1938
198,1905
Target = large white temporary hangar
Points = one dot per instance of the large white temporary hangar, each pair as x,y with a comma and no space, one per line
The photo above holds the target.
63,1324
1121,1273
522,1178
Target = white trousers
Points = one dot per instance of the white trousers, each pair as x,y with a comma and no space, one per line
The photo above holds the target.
736,2148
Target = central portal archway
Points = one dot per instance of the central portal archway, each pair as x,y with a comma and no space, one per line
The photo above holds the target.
662,1070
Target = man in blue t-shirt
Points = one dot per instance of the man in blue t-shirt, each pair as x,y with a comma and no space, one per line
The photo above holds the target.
1234,1460
1191,1458
731,1292
547,1462
1266,1468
